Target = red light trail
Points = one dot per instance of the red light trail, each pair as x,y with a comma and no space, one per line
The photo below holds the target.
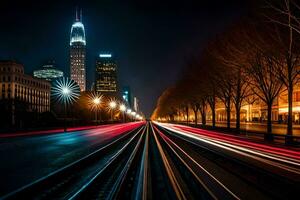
283,158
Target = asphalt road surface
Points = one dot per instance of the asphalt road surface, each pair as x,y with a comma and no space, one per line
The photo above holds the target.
146,160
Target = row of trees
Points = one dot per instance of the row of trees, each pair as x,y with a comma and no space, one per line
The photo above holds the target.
256,58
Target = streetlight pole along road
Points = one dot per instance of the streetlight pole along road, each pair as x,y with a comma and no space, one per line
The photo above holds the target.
112,106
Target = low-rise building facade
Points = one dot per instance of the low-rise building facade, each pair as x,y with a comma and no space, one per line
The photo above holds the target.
16,85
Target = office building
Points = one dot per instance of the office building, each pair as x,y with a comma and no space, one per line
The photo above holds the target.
106,74
136,104
77,53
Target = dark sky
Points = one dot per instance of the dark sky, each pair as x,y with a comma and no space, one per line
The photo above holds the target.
150,39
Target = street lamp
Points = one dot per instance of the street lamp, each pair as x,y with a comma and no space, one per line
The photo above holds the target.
123,109
128,112
66,91
112,106
95,103
133,114
137,116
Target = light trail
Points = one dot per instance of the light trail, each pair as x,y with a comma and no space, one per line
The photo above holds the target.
80,162
283,152
168,140
174,182
115,129
90,129
267,155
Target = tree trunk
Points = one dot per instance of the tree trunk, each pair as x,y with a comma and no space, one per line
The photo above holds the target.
196,117
290,114
213,111
269,135
212,106
238,102
228,112
187,114
238,118
203,116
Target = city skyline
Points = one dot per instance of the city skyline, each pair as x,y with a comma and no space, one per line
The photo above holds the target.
118,27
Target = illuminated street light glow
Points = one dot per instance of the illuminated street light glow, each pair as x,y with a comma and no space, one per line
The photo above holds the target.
66,90
96,101
112,104
128,111
122,107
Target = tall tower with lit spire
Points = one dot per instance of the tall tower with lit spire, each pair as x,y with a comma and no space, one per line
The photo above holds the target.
77,52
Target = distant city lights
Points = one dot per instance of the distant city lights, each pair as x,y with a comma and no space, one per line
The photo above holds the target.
105,55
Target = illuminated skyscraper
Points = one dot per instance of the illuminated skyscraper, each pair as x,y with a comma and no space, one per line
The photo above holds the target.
77,52
106,74
136,107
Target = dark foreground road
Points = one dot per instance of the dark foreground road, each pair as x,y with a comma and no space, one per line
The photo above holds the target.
146,161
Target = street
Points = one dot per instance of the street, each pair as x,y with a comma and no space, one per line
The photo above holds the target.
25,159
146,161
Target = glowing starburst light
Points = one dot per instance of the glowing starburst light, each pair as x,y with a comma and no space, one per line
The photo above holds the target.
112,104
122,107
95,100
66,90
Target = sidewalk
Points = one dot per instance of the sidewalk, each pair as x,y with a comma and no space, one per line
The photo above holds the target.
253,135
260,127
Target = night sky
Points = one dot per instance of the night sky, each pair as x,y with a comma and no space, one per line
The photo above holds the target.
149,39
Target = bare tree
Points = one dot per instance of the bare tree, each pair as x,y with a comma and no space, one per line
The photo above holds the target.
286,23
266,85
195,107
241,90
233,50
225,94
211,100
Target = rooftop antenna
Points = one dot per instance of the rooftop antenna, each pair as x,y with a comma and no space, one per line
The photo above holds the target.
80,15
77,17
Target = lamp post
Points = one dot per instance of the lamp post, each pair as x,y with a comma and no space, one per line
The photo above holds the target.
123,109
66,91
133,115
128,111
96,102
112,106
